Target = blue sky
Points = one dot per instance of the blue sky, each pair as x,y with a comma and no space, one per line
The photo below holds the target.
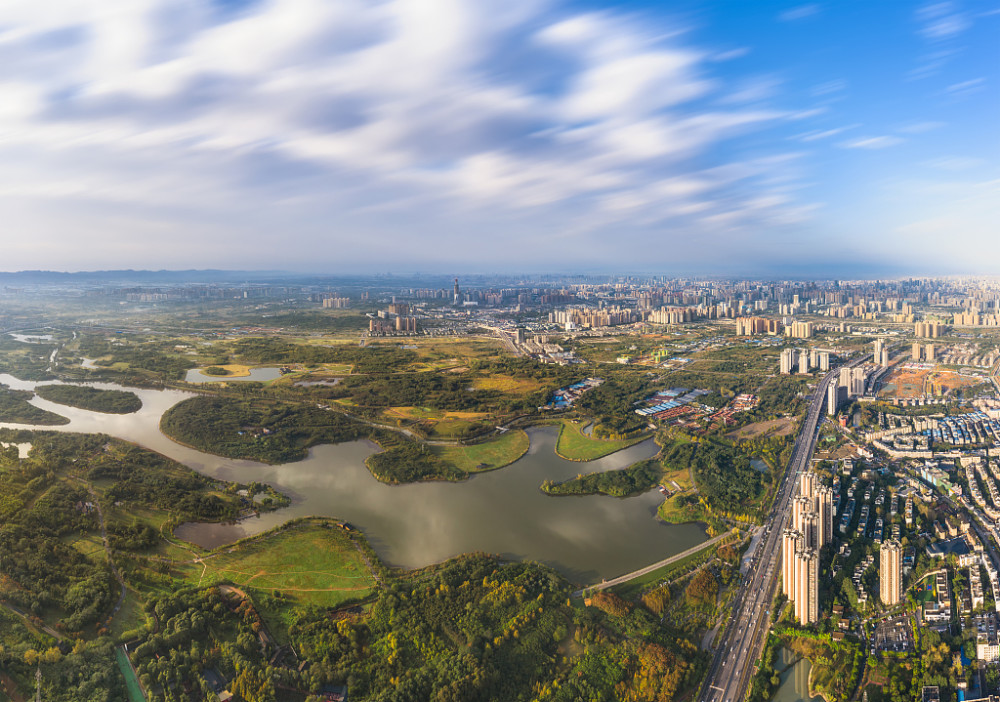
439,135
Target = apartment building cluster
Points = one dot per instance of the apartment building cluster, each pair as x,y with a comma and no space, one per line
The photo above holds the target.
755,326
812,528
928,330
850,384
336,303
806,360
574,317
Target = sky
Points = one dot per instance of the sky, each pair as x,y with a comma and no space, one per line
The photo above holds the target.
343,136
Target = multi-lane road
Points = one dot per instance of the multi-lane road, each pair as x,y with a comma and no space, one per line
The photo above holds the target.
740,647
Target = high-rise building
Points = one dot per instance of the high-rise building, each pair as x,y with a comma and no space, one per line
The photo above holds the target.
791,542
799,330
879,345
929,352
457,293
824,361
890,574
915,353
787,361
857,384
825,510
803,361
807,586
832,398
811,530
801,506
808,482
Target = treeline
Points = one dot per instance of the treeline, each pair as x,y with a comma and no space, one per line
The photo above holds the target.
45,506
156,358
612,405
15,408
637,478
90,398
405,461
27,361
262,430
85,673
375,358
725,477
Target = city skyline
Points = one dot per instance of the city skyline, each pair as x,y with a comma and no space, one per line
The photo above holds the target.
716,137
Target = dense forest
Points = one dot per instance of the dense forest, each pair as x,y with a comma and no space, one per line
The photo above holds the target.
90,398
262,430
637,478
15,408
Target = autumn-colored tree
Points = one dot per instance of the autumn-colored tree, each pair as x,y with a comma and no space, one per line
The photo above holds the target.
610,603
702,590
657,600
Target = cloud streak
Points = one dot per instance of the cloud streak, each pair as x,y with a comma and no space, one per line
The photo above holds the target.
470,110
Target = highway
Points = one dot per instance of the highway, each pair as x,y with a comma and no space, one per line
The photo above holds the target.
740,647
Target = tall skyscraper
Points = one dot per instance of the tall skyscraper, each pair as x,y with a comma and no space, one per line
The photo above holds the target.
811,531
808,482
458,295
791,542
890,574
803,361
824,361
825,512
807,586
832,398
787,361
801,506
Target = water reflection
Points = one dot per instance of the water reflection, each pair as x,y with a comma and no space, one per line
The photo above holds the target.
794,673
503,511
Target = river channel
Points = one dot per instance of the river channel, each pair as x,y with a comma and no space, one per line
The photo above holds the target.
503,511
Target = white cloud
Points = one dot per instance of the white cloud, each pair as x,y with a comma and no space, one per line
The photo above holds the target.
825,133
419,108
799,13
966,87
875,142
941,20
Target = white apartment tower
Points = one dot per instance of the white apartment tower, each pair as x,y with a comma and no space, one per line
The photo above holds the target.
807,586
791,543
890,574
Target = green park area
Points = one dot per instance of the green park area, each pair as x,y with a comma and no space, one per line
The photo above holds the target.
488,455
574,445
314,562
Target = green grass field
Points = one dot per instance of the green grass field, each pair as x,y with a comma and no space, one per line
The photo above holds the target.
574,446
490,454
309,562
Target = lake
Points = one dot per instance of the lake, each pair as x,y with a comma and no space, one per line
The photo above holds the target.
587,538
